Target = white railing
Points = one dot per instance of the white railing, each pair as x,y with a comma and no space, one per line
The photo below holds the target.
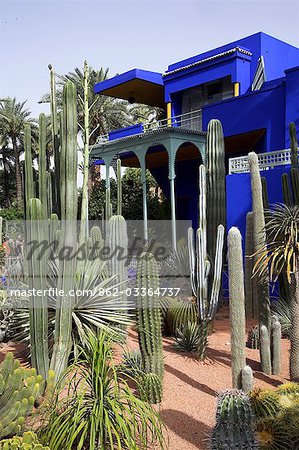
189,121
266,161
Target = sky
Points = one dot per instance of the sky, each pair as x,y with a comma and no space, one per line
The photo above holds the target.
122,35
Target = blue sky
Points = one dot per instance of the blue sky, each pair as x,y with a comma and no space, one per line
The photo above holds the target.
123,34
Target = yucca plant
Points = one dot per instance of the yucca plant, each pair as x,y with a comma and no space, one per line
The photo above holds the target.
100,412
281,255
93,309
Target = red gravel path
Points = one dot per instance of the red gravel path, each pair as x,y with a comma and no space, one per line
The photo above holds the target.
190,386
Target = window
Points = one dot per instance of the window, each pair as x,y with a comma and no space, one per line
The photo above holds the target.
214,91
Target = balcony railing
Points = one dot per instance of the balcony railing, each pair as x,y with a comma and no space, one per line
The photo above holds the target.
188,121
266,161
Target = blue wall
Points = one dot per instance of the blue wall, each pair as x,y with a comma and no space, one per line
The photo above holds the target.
259,109
238,195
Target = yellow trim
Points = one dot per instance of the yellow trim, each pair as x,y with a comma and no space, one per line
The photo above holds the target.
236,89
168,113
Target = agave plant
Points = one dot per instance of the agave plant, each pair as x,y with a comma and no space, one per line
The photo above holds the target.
187,337
101,412
281,309
281,255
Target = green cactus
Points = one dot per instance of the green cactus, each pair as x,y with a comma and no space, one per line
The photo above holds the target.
294,145
247,379
272,434
42,165
250,282
119,188
236,305
216,186
259,239
253,338
117,238
149,327
265,402
180,313
29,185
38,311
55,141
207,298
19,388
67,271
288,388
276,347
86,136
286,190
294,173
97,240
29,441
234,427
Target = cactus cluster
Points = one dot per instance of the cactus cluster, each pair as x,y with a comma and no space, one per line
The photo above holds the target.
19,389
29,441
149,327
234,423
200,267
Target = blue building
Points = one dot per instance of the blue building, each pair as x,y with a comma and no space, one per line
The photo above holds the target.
251,85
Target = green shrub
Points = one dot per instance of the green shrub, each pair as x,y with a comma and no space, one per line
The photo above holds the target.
101,411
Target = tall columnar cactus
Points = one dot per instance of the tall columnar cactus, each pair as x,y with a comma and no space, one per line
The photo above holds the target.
19,388
29,185
69,194
250,282
294,145
119,188
276,347
149,327
55,140
259,239
86,135
37,271
265,348
234,423
42,165
236,305
207,299
216,207
286,190
117,241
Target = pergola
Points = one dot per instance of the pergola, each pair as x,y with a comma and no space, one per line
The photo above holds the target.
160,147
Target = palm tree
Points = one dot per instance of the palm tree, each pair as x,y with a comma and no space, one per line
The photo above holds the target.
106,113
13,117
7,166
281,255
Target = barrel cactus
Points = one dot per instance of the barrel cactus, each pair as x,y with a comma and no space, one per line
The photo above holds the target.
234,423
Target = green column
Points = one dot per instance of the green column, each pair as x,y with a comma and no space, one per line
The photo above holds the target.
144,200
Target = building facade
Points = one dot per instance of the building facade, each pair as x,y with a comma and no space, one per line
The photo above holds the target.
251,85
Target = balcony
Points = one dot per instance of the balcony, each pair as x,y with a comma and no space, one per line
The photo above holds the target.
266,161
191,121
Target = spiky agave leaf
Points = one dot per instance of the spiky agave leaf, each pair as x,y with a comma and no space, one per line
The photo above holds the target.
95,306
187,337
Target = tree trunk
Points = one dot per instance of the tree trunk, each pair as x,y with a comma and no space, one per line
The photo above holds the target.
6,187
18,173
294,333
